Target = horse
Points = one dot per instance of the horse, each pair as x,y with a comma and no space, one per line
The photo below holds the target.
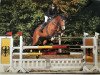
57,24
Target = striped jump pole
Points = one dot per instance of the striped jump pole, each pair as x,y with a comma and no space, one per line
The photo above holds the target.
45,47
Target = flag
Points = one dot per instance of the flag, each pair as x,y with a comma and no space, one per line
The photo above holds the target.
9,33
19,33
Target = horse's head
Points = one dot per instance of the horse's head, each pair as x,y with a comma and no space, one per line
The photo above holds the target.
61,22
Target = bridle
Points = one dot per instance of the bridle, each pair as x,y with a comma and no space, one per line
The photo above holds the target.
55,24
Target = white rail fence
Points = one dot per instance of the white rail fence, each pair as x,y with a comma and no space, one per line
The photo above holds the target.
51,64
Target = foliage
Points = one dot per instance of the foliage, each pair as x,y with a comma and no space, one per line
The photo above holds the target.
26,15
84,22
18,15
70,6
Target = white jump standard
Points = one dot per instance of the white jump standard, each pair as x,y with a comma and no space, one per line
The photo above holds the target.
95,53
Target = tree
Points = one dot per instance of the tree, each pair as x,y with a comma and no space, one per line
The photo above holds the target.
70,6
26,15
17,15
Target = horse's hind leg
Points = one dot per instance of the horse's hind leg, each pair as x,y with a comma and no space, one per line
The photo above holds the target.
35,40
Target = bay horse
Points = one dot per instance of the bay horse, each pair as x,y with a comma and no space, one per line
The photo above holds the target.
53,27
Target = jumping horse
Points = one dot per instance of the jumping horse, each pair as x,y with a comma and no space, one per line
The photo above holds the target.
57,24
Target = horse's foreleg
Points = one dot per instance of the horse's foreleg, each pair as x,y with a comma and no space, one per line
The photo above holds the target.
44,42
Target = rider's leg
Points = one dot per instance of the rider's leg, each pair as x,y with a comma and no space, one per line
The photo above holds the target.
45,21
46,18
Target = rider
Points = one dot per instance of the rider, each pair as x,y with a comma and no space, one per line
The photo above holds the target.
51,12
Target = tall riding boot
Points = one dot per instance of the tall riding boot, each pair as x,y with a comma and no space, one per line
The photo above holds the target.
42,27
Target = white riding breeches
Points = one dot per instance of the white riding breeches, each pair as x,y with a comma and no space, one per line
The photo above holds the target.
46,18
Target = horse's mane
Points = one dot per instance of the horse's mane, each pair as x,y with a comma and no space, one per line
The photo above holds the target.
62,16
57,16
